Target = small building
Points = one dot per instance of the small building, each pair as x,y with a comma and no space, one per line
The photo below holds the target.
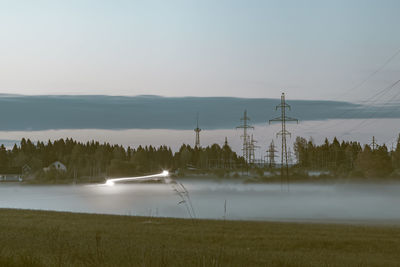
317,173
26,169
10,177
57,166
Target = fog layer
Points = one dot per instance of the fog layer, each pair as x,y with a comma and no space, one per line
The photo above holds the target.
376,203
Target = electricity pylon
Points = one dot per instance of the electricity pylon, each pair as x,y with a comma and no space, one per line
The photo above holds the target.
252,148
245,136
374,144
226,142
271,154
197,131
290,158
283,133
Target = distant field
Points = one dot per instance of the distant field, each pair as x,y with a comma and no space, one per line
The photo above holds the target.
42,238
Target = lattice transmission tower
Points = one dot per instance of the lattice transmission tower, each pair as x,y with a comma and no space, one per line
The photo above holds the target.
271,154
290,156
245,126
252,148
284,133
197,131
374,144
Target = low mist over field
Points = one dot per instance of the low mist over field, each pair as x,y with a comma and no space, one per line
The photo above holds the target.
347,203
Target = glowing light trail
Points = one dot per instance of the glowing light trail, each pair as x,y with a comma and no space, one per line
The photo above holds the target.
178,188
111,182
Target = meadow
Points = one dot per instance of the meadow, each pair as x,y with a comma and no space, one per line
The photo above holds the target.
46,238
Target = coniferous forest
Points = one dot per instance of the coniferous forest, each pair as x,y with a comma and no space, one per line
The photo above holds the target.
92,161
348,159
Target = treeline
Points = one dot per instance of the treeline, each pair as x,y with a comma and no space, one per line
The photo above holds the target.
348,159
92,160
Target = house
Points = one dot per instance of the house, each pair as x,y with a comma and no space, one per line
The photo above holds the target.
26,169
57,166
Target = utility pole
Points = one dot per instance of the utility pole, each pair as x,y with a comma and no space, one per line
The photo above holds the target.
197,131
226,155
373,144
283,133
271,154
245,126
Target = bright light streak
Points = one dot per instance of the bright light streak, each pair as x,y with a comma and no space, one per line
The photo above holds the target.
176,186
111,182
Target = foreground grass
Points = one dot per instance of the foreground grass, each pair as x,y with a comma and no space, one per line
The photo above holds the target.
41,238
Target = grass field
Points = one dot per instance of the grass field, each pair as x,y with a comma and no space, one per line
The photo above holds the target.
42,238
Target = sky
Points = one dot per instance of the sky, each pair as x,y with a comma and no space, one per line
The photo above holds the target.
242,48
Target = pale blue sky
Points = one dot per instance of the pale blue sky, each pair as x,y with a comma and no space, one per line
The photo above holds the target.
249,48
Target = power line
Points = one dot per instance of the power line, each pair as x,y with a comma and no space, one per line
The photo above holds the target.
365,120
393,56
371,100
360,84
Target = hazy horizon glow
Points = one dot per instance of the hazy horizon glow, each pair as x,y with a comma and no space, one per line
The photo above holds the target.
309,49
